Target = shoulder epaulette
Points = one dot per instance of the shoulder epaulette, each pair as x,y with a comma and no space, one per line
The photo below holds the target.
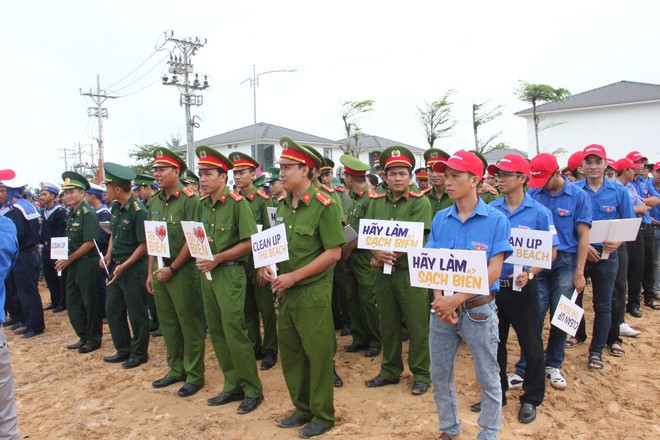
263,195
323,198
188,192
372,193
327,188
341,189
203,197
426,191
280,198
380,195
236,196
136,206
415,194
85,209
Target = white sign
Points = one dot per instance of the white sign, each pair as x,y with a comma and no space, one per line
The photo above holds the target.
270,246
272,215
387,235
158,243
59,250
451,270
568,315
624,229
105,226
198,242
531,248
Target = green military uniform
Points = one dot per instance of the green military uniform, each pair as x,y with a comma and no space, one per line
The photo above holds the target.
344,195
438,203
228,221
486,196
187,176
360,276
397,300
307,339
431,156
128,292
178,301
82,282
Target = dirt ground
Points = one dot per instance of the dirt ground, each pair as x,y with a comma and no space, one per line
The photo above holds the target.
61,394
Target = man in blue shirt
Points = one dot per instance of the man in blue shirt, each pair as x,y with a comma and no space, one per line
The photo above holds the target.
469,224
520,309
609,201
571,214
655,217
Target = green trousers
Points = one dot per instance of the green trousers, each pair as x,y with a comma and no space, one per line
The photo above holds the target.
360,280
260,301
128,295
307,348
224,299
178,305
82,300
398,301
153,314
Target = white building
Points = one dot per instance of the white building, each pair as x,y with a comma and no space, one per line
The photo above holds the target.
623,117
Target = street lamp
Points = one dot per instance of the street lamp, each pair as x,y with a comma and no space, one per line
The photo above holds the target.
254,82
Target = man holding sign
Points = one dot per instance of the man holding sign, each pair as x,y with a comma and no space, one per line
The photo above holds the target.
519,308
397,300
229,223
469,224
306,333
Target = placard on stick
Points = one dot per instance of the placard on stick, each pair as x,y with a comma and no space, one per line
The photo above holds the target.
198,242
270,247
59,250
568,315
388,235
617,230
451,270
158,244
530,248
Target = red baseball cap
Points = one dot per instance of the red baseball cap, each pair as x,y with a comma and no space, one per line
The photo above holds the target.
7,174
635,156
541,169
595,149
625,163
656,167
611,163
513,163
462,161
575,160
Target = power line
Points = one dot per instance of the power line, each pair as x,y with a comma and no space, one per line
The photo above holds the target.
145,74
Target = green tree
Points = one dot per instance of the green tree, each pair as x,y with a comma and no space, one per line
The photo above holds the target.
436,118
143,156
351,113
480,117
537,94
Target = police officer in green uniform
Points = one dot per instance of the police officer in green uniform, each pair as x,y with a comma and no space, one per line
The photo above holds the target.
422,179
229,223
260,183
259,298
382,186
396,299
176,285
307,339
360,276
277,191
190,180
82,283
126,260
438,193
486,192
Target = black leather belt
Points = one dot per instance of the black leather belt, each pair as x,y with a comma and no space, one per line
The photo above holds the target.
230,263
478,301
29,248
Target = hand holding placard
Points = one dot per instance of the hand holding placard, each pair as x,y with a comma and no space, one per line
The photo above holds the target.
59,250
158,244
270,247
530,248
568,315
451,270
386,235
198,242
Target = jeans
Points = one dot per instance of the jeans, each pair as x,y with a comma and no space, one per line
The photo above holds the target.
656,260
602,275
553,283
481,337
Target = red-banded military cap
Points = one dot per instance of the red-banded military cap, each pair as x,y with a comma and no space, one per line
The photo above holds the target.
421,173
164,157
210,158
241,160
397,156
353,166
433,155
292,154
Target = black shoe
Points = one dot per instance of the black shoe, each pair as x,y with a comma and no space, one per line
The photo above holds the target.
17,325
88,348
30,334
635,312
527,413
225,398
116,358
293,421
312,429
372,352
165,381
476,407
133,362
419,388
8,323
269,361
259,355
50,307
76,346
354,347
156,333
188,389
650,303
337,382
59,309
345,331
22,331
249,404
405,335
379,381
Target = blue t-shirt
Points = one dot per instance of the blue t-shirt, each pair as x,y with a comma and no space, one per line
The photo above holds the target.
611,202
486,229
569,207
529,215
645,190
8,256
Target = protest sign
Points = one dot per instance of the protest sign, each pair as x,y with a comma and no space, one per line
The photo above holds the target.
387,235
270,247
272,215
451,270
530,248
59,250
158,244
624,229
568,315
198,242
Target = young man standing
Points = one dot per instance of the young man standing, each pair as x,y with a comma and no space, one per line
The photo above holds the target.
306,334
655,217
438,193
53,224
229,223
277,191
469,224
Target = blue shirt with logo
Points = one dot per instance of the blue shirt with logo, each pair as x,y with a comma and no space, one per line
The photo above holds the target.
569,207
529,215
645,190
8,256
486,229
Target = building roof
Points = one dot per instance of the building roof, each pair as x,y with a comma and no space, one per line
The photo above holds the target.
497,155
368,142
270,132
622,92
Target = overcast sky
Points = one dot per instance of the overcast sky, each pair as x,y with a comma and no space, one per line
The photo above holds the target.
398,54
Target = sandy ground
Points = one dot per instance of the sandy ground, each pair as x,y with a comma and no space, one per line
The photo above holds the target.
61,394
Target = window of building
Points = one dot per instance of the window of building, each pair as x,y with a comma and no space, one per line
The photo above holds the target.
327,152
265,155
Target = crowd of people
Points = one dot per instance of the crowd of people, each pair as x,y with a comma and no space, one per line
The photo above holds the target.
330,285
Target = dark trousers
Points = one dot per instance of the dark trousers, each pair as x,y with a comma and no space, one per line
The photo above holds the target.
619,296
521,311
82,300
24,278
340,315
640,267
12,304
56,284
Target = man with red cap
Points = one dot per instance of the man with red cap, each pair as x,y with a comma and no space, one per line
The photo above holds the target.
469,224
655,217
571,213
574,166
609,201
640,262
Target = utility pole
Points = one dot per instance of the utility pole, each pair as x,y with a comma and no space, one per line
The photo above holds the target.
181,65
65,157
99,112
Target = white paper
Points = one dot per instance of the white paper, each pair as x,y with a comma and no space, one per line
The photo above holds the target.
270,246
453,270
272,215
531,248
158,244
568,315
626,229
517,270
198,242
